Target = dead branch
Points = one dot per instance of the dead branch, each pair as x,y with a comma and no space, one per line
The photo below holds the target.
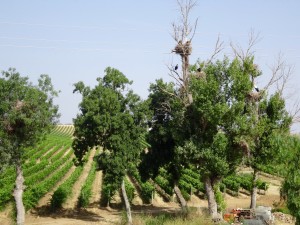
182,31
219,46
167,92
281,73
238,51
194,30
174,74
254,38
295,112
285,74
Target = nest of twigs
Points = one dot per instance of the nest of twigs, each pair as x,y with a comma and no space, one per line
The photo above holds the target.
200,75
254,96
183,48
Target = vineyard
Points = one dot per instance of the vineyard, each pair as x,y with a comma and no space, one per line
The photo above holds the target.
55,185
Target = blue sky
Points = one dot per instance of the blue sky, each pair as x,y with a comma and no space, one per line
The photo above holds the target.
75,40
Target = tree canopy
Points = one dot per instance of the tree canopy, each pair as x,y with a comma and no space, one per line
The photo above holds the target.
291,184
112,117
27,113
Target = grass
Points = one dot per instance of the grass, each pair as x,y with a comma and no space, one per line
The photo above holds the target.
193,217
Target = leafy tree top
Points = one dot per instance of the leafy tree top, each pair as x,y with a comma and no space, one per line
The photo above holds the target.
27,112
112,117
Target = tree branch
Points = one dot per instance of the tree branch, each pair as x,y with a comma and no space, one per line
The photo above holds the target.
219,46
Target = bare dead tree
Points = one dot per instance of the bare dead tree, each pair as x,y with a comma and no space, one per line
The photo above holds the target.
183,34
183,29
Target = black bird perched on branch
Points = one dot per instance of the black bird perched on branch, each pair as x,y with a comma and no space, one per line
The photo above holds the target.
176,67
199,69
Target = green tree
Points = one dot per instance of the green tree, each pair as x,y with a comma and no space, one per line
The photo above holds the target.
27,113
112,116
291,184
214,123
271,120
166,107
267,119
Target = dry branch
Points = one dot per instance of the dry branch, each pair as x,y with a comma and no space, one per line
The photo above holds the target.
238,51
219,46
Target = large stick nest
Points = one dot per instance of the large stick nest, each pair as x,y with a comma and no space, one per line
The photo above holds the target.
254,96
183,48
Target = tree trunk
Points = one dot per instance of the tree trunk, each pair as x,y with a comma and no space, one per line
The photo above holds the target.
185,71
18,194
212,203
180,198
127,205
254,190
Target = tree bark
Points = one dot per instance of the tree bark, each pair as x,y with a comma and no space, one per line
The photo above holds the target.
185,71
212,203
180,198
127,205
254,190
18,194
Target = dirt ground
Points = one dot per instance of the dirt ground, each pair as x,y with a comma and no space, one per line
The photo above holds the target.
95,215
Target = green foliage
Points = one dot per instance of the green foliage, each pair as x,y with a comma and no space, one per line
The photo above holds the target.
165,108
220,199
291,184
42,176
146,187
164,184
109,187
129,190
113,117
231,184
27,113
194,179
147,191
62,193
33,194
235,182
86,190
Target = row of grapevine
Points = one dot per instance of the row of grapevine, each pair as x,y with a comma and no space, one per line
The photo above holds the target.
34,193
86,190
189,182
64,130
64,191
146,188
44,173
36,183
235,182
43,167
